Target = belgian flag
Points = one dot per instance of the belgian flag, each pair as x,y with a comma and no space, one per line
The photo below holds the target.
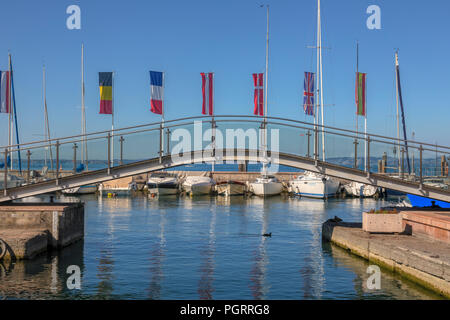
106,99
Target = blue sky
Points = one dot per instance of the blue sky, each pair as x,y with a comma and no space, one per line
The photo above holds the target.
184,38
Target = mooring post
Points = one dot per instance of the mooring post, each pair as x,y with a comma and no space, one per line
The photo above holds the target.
308,134
316,143
355,165
5,185
160,143
109,152
57,162
402,163
168,141
213,136
368,155
420,169
74,158
28,165
121,149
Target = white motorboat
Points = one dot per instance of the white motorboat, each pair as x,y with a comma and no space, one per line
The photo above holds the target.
230,188
88,189
12,181
117,190
314,185
162,185
361,190
198,185
266,185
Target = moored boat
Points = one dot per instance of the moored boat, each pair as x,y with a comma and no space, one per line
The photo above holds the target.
88,189
160,184
314,185
361,190
198,185
117,190
266,185
230,188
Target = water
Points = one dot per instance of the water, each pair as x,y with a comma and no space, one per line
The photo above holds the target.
206,248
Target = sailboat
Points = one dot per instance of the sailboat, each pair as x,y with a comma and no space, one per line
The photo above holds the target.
266,185
312,184
416,201
87,189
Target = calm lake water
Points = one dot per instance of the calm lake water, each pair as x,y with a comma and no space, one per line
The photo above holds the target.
206,248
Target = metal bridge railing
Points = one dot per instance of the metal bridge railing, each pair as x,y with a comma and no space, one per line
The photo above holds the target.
65,156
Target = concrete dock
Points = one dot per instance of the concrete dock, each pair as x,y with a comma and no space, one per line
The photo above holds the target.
414,254
28,229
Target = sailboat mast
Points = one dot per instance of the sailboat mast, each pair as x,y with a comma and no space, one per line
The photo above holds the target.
398,114
11,110
46,123
266,88
316,120
321,85
83,113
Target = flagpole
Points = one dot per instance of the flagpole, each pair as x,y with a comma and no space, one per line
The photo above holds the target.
112,120
357,79
213,126
316,120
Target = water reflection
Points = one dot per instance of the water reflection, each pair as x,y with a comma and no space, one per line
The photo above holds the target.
204,247
43,277
260,257
207,253
156,260
392,286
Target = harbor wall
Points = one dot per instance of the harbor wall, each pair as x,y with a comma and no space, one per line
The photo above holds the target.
30,228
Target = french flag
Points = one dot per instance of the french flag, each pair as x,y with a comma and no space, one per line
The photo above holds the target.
5,85
157,92
208,93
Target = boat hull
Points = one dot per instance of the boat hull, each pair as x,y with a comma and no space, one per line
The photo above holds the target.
198,188
417,201
89,189
266,189
315,189
230,189
163,190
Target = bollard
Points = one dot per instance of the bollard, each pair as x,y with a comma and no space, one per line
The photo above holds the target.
109,152
420,171
160,143
121,149
5,186
355,165
74,158
57,162
28,165
368,155
168,141
309,136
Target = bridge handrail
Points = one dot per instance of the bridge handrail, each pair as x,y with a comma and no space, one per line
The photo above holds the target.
255,119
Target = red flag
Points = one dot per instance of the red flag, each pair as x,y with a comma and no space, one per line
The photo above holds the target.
207,92
258,80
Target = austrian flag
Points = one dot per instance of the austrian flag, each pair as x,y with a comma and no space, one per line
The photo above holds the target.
208,93
157,91
258,81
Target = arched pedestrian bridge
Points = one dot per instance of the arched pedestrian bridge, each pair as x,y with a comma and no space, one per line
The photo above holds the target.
385,162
